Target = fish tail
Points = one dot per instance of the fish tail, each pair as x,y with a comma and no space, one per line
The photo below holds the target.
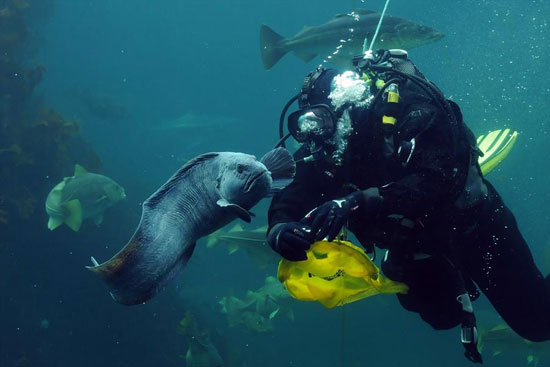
282,167
270,46
214,238
74,217
138,271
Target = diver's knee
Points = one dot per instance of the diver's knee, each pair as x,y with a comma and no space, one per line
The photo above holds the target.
536,336
534,331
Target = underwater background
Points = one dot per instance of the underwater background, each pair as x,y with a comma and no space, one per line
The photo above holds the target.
88,82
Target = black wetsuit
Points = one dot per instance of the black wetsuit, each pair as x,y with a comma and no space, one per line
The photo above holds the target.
430,239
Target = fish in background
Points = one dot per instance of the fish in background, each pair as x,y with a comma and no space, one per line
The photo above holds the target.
342,38
253,241
503,340
84,195
240,312
207,193
201,352
190,120
257,310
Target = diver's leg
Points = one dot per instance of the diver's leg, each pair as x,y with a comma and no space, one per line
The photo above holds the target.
500,262
431,290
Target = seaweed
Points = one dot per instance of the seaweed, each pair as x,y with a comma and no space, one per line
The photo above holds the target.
37,144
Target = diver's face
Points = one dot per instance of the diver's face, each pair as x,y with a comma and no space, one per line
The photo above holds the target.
332,149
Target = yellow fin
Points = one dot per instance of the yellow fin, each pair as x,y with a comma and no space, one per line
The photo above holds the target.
495,146
54,222
74,219
79,170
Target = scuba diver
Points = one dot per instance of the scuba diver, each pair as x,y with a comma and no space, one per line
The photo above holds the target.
386,155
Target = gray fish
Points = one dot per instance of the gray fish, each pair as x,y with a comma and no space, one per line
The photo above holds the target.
258,309
84,195
201,352
190,120
242,312
347,31
254,242
205,194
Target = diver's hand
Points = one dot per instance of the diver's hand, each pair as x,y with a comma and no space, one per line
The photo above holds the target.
291,240
327,219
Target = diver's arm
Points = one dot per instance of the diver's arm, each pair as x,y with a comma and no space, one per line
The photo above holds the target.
309,188
286,235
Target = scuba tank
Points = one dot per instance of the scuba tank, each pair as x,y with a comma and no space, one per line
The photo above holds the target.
387,71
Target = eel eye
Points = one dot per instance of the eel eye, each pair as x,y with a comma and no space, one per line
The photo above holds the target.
240,168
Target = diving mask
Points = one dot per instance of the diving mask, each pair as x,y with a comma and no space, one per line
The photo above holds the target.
315,123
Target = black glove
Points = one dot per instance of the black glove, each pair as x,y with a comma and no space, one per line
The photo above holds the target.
291,240
327,220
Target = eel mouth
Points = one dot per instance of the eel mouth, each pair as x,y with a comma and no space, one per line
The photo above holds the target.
253,180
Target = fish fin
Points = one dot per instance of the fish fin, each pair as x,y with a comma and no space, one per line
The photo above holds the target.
278,185
94,261
236,228
54,222
79,170
232,248
306,56
223,303
280,163
152,201
236,210
74,219
102,198
98,219
213,239
250,306
271,46
274,313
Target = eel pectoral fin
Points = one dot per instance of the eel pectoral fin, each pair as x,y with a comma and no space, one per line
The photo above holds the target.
237,210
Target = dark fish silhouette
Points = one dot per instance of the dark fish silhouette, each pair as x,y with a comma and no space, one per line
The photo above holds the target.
341,38
204,195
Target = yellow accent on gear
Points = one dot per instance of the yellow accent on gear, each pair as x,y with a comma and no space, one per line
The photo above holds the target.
379,83
393,97
389,120
366,78
334,274
495,146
